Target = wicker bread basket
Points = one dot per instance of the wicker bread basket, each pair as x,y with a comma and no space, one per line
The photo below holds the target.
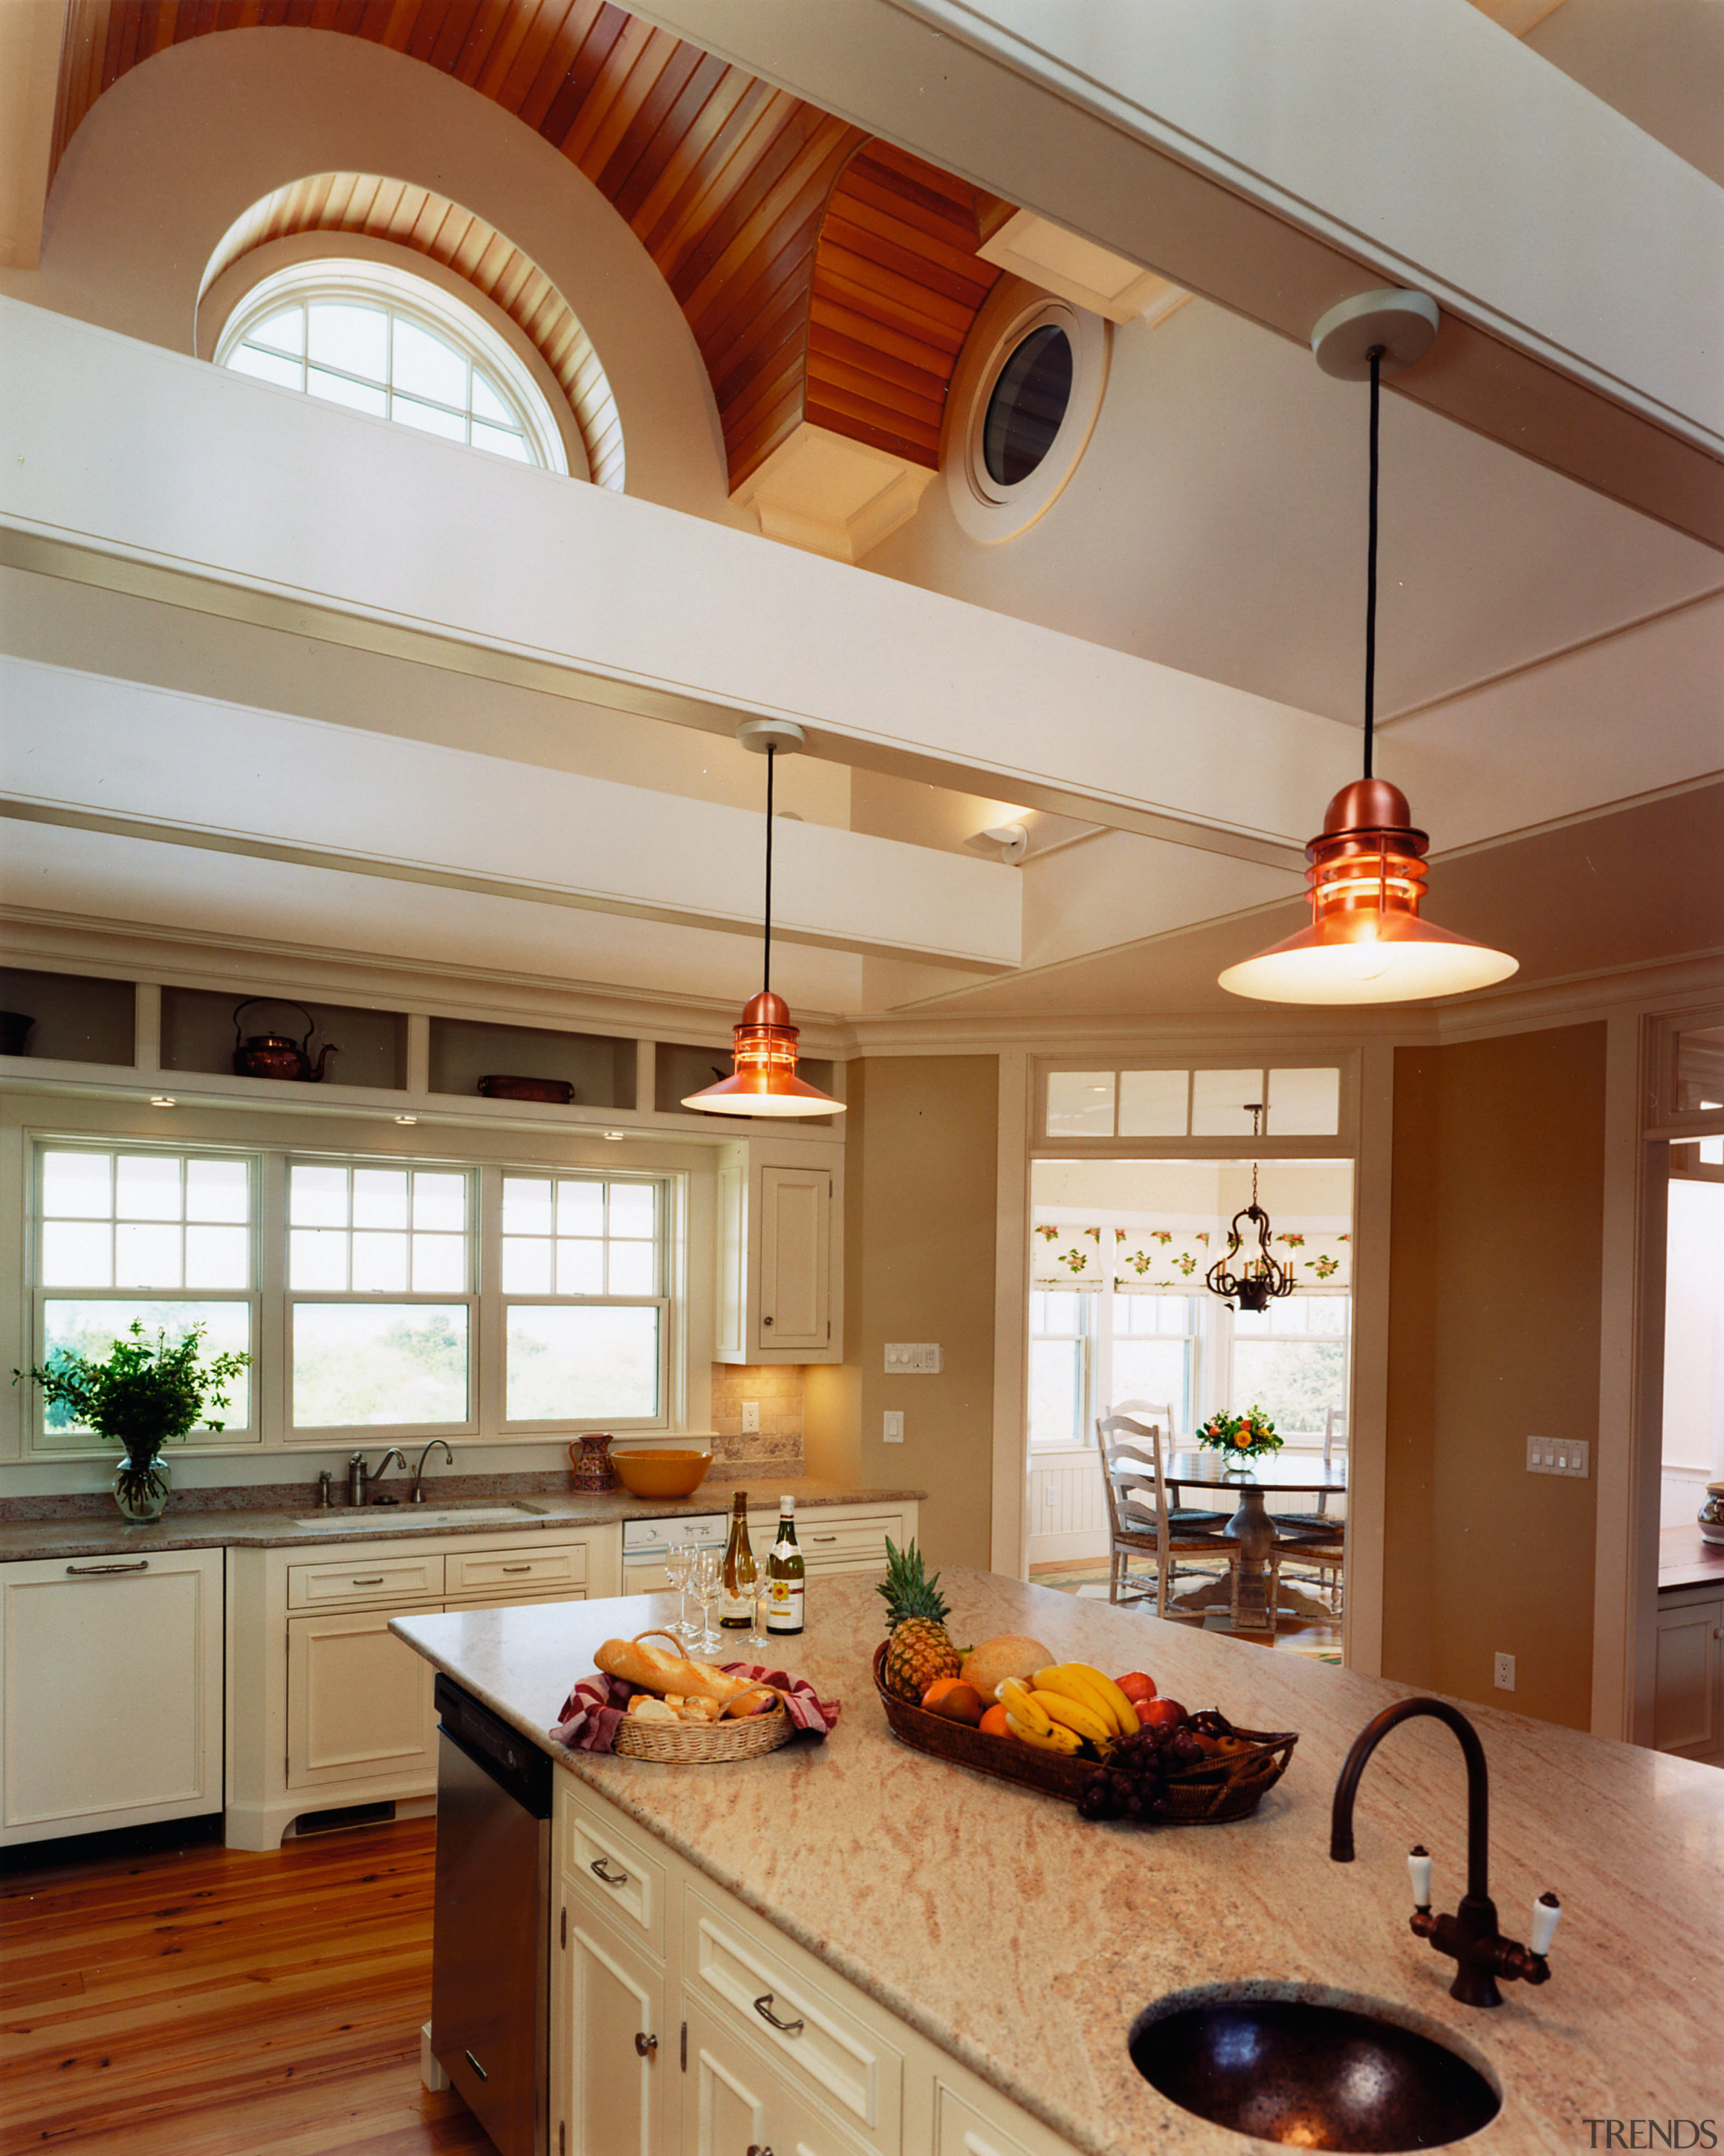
1221,1789
702,1744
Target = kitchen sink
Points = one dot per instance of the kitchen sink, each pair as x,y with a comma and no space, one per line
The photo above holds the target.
1309,2075
343,1519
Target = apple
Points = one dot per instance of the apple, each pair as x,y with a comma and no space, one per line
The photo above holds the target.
1136,1686
1161,1714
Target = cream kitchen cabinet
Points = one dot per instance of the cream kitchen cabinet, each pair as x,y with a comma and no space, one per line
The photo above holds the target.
682,2023
328,1710
778,1278
1688,1713
112,1691
836,1540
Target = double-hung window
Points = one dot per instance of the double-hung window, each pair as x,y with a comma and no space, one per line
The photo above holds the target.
381,1296
167,1240
1290,1360
586,1303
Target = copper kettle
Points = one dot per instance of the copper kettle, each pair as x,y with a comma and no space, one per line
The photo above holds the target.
277,1055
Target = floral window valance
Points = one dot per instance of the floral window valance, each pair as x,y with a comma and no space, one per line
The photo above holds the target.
1173,1259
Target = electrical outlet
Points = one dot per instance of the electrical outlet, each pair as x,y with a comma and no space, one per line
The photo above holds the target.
892,1433
751,1415
912,1359
1503,1673
1558,1455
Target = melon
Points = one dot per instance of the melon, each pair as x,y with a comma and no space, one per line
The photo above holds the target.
1012,1655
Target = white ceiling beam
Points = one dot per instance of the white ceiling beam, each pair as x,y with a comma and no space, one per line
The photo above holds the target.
1281,156
269,506
31,35
113,756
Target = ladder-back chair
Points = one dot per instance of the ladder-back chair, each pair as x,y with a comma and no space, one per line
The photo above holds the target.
1139,1521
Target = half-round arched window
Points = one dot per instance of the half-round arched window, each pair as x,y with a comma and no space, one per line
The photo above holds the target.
378,339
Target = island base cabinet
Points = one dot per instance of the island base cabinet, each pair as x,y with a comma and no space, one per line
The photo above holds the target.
735,2102
760,2048
112,1671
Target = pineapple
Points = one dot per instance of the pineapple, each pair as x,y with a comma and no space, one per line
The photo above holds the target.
918,1648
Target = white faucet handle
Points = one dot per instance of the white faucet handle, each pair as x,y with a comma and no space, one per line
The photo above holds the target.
1418,1871
1545,1910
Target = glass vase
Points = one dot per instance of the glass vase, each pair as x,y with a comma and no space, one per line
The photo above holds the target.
141,1482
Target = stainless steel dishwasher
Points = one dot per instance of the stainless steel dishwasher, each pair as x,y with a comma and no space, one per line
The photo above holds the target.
492,1932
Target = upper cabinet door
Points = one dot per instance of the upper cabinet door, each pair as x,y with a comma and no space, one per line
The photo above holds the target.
795,1260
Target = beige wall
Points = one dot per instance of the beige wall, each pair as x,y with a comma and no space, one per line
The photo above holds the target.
1494,1336
918,1234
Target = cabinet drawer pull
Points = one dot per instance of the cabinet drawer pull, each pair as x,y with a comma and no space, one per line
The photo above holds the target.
823,1538
598,1868
517,1567
90,1571
377,1582
476,2067
645,2045
763,2007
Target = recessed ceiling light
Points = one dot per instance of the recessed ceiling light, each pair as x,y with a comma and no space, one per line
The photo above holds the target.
163,1100
407,1119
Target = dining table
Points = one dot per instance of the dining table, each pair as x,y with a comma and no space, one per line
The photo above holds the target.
1258,1531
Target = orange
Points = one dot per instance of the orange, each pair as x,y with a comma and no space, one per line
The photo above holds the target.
995,1723
955,1700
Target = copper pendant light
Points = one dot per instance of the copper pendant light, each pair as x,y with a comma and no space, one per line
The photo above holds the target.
1366,942
764,1081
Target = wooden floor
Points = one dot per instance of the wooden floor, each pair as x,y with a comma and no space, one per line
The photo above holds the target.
208,2002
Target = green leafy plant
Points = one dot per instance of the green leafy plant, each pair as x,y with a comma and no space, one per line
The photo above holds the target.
142,1393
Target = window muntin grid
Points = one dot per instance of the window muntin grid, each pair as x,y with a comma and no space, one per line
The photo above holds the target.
378,341
580,1236
356,1229
1296,1102
165,1238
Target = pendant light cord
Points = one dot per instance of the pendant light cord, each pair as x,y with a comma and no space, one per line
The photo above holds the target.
1370,564
766,978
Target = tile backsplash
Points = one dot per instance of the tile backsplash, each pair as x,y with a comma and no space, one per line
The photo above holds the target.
776,1447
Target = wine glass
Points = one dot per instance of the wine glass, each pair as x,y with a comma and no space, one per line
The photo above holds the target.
707,1571
679,1565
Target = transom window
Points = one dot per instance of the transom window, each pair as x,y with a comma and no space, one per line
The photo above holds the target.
1296,1102
377,341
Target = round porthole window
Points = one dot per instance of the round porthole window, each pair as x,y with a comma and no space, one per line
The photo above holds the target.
1024,402
1028,402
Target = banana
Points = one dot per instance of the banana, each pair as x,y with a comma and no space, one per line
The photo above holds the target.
1119,1701
1076,1715
1016,1697
1052,1738
1077,1681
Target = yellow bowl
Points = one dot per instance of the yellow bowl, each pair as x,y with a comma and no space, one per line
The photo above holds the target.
661,1472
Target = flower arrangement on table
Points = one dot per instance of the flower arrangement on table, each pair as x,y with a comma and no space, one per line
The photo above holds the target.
143,1393
1243,1437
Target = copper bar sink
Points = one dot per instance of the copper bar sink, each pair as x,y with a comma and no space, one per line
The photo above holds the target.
1309,2075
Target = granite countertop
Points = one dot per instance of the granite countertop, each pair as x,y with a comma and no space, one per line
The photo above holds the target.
1023,1942
103,1536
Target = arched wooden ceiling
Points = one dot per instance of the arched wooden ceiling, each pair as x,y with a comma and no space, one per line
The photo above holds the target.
819,283
430,224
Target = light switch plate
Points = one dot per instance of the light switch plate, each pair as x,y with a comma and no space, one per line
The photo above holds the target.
910,1358
892,1431
1558,1455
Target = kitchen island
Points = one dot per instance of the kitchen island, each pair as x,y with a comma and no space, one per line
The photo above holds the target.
1007,1936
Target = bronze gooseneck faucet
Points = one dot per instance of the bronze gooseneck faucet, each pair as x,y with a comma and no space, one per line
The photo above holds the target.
1470,1937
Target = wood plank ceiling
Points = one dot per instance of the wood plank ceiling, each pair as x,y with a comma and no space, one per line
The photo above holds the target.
819,283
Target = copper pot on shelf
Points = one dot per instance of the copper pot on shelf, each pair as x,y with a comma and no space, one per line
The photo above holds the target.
278,1054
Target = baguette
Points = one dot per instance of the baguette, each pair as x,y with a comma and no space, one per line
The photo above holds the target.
638,1664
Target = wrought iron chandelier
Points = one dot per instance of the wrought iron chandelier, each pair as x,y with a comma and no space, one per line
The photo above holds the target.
1260,1276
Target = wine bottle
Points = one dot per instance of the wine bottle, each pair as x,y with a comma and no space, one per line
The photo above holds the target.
784,1574
741,1574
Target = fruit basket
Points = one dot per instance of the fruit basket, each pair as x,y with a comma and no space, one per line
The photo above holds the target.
1229,1786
